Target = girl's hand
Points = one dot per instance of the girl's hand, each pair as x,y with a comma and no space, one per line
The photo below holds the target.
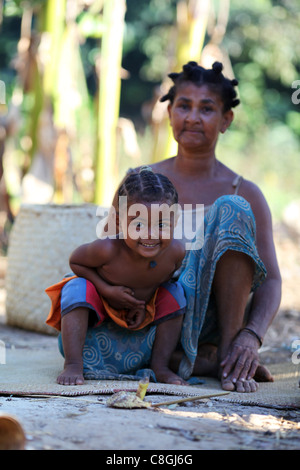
135,317
120,297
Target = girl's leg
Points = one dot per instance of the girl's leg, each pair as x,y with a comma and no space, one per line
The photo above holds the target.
166,339
73,330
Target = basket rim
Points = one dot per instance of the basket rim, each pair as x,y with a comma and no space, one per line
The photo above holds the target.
60,208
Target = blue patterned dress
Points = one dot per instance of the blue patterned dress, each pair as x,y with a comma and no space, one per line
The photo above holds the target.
228,225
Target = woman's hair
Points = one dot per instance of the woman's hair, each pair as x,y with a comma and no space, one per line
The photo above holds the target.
213,78
147,186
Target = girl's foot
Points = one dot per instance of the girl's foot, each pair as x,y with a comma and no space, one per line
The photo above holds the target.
72,375
165,375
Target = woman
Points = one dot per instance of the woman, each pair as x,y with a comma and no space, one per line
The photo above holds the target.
200,108
236,269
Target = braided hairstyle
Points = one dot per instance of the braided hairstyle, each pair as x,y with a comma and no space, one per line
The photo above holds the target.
213,78
147,186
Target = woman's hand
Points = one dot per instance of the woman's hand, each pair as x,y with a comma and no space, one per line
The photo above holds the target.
241,362
120,297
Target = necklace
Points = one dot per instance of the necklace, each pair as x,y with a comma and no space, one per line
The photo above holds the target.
152,264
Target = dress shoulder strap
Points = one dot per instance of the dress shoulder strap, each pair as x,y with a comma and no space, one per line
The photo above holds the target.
236,183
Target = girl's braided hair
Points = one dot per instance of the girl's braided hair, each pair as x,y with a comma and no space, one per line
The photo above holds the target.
147,186
213,78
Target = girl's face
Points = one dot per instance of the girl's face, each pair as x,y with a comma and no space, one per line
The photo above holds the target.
197,117
147,228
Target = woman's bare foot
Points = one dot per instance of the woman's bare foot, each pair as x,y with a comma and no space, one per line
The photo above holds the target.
206,364
262,374
165,375
247,385
72,375
240,386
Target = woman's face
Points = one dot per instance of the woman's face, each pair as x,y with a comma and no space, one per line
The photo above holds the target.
197,117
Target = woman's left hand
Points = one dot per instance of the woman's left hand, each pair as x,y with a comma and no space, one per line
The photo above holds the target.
241,361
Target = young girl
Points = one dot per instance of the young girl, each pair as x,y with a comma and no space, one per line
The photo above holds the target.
132,270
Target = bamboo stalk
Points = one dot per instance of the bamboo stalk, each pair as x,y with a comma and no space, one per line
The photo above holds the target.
192,21
54,25
192,18
182,400
109,99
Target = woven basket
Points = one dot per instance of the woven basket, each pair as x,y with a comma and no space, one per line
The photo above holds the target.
41,241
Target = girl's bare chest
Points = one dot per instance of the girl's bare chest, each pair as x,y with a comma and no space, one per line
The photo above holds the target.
136,275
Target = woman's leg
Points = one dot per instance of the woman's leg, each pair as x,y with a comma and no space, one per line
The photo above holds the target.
206,364
227,265
73,330
231,286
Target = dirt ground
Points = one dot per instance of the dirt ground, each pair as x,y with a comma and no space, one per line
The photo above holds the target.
77,423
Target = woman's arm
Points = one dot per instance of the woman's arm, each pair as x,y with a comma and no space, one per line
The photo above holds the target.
266,299
242,359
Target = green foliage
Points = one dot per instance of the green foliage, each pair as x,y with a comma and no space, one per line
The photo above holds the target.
262,42
90,26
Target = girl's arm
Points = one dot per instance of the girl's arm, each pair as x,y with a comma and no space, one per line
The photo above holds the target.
84,262
87,258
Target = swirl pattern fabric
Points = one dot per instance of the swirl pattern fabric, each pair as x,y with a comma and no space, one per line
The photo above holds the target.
110,350
114,353
228,225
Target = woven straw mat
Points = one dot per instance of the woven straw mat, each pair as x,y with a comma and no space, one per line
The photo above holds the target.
34,372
